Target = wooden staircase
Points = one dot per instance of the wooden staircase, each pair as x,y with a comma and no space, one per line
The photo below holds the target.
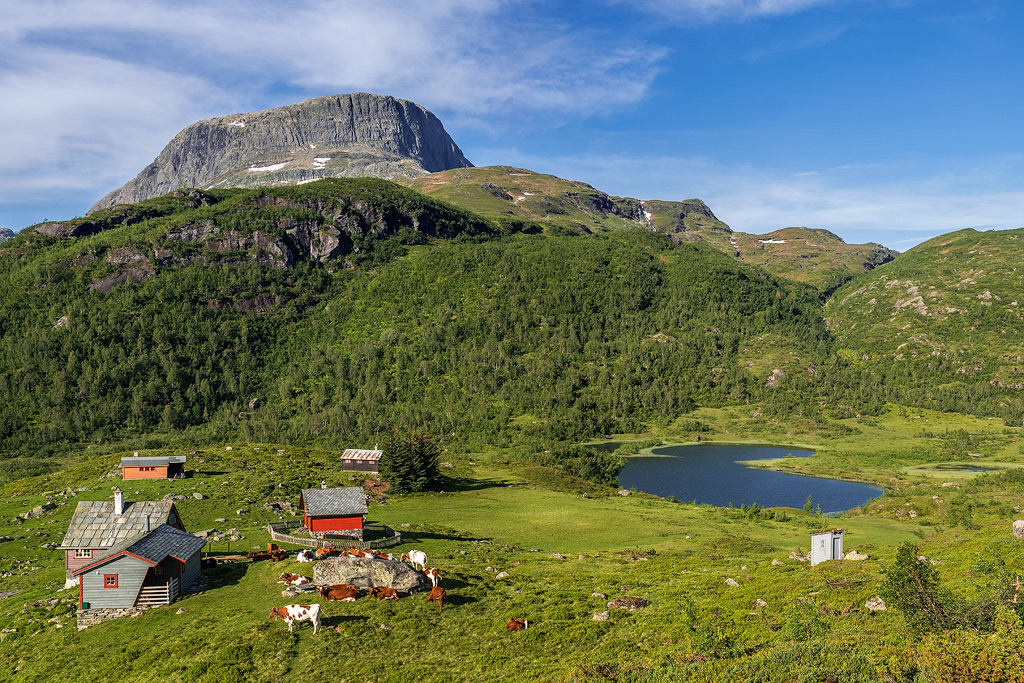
151,596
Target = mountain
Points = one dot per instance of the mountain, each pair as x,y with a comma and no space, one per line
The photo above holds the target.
337,136
524,199
6,234
333,311
946,315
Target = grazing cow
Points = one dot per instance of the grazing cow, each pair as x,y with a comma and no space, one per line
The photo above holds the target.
272,547
292,579
437,595
433,575
339,592
305,556
384,593
258,557
415,557
293,613
517,624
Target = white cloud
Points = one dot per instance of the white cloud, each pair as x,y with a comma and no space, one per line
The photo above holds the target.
722,9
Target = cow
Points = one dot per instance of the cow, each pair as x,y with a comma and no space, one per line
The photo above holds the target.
516,624
433,575
386,556
384,593
321,553
292,579
415,557
305,556
340,592
293,613
258,557
272,547
437,595
279,555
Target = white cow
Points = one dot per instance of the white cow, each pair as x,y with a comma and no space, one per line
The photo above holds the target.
293,613
305,556
433,575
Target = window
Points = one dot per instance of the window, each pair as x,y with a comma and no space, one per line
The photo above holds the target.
158,571
110,580
83,554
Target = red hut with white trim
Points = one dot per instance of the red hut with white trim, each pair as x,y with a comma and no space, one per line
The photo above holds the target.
334,513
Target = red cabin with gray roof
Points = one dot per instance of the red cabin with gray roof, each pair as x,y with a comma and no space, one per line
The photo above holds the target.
153,467
338,512
99,525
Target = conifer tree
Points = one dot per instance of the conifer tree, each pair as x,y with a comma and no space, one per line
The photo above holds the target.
409,462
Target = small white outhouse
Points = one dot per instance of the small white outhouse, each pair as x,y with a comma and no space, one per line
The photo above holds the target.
827,545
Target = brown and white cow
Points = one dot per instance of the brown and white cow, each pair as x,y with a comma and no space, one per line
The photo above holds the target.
321,553
293,613
437,595
305,556
433,575
341,592
292,579
384,593
516,624
415,557
272,547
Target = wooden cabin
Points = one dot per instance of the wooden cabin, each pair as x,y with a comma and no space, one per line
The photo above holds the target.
98,525
334,513
151,568
162,467
361,460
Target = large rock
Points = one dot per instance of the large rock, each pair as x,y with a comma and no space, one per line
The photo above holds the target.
1018,528
630,602
353,135
365,573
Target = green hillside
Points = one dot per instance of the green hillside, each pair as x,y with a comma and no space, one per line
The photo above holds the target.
948,309
333,311
527,200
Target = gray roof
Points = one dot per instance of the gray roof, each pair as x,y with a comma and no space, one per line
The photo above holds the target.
94,525
137,461
361,454
348,500
160,543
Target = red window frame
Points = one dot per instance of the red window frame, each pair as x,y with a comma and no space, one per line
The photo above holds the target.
107,580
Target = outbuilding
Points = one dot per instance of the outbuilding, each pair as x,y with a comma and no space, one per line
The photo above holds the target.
361,459
334,513
156,467
827,545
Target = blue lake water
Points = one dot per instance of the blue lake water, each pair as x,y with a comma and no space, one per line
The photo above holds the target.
710,473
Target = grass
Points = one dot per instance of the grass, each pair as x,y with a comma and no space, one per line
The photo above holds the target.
500,516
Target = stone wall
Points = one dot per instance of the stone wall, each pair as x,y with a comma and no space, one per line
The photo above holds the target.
97,615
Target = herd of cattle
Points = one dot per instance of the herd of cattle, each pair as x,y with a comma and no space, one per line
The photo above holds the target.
345,592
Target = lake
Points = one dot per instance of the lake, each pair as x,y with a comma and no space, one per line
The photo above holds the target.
710,473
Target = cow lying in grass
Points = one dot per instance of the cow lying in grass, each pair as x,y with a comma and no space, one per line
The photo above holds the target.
384,593
342,592
516,624
292,579
305,556
293,613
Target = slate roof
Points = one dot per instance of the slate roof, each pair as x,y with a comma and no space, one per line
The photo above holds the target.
361,454
94,526
156,545
348,500
137,461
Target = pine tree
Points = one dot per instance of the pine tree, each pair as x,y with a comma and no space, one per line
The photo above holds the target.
409,462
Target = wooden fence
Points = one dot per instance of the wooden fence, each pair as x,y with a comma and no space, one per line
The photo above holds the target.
388,537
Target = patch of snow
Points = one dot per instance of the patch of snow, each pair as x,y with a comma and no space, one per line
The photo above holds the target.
240,124
528,194
312,146
648,215
308,180
772,241
520,198
272,167
320,162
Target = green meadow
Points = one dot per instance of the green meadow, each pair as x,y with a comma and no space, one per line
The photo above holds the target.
783,620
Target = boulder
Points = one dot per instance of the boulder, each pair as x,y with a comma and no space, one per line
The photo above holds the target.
759,604
1018,528
630,602
875,604
854,556
731,582
365,573
601,616
777,562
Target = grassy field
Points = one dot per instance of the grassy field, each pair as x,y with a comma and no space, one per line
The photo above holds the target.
559,549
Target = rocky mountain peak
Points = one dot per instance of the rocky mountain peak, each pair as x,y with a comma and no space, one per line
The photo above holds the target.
351,135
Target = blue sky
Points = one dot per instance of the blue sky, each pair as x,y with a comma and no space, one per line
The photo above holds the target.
881,120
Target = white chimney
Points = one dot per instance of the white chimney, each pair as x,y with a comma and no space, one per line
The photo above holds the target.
118,502
136,454
145,526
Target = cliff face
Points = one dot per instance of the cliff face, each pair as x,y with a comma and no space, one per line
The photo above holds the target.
337,136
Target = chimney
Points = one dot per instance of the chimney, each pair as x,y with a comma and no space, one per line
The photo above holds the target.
145,526
118,502
136,454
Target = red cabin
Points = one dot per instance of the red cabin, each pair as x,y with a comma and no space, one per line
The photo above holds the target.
334,513
164,467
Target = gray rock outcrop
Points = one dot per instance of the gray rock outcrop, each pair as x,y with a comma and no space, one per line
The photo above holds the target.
628,602
6,234
1018,528
364,573
353,135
